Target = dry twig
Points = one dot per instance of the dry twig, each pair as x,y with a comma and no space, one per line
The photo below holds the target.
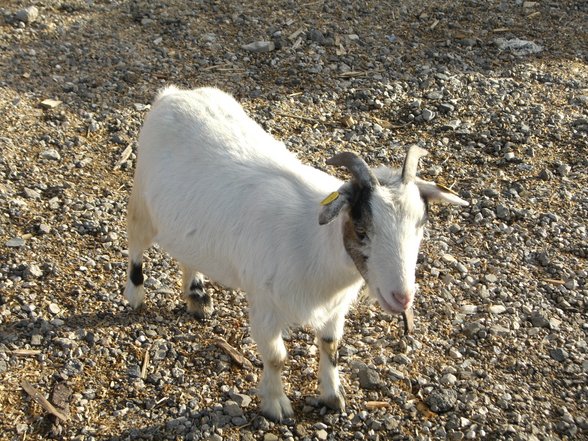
39,398
235,355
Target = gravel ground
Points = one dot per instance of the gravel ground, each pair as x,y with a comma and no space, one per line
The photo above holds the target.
497,91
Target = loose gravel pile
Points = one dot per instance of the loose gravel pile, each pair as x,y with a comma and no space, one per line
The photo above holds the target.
497,91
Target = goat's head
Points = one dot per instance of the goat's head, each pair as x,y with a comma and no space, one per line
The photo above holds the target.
385,213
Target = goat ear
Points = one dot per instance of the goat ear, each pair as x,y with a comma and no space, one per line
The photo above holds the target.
331,206
438,193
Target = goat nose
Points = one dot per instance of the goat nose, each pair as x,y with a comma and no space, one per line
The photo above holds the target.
403,298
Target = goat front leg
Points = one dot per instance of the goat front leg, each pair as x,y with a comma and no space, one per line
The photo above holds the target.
268,335
198,301
332,392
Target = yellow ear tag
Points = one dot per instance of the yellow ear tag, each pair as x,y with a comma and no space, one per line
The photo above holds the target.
330,198
445,189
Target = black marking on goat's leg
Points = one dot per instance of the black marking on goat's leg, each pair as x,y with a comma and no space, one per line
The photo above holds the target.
329,346
199,302
136,273
196,285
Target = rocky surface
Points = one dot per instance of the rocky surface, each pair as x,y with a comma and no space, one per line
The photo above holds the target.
497,91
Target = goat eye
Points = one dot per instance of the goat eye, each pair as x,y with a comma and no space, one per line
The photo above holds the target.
360,233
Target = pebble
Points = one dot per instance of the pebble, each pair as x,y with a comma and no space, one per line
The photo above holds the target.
539,320
448,379
497,309
490,278
259,46
442,400
54,308
452,124
369,378
564,169
27,15
50,103
44,228
469,309
29,193
15,242
321,434
33,270
51,154
428,114
559,354
232,409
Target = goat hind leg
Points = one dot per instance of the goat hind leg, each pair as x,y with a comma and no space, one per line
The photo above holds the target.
140,235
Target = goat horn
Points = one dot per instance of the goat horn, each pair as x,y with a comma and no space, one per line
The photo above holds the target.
411,163
358,168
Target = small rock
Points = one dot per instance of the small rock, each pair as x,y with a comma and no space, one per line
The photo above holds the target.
316,36
241,399
54,308
368,378
401,359
36,340
33,270
428,115
571,284
545,175
452,125
509,156
502,212
496,309
51,154
442,400
454,353
259,46
134,371
15,242
469,309
435,95
490,278
27,15
559,354
44,229
446,108
29,193
22,428
270,437
50,104
518,47
448,379
564,169
471,329
321,434
499,330
539,320
232,409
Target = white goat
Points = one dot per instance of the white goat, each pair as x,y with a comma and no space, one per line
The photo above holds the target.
228,200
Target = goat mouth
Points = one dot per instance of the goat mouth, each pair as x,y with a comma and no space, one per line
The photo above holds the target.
393,306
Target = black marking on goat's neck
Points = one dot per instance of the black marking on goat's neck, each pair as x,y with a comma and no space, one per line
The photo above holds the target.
136,273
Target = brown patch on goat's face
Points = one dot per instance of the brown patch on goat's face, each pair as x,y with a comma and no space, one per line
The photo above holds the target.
356,239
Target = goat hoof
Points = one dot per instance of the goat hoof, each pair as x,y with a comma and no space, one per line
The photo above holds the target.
200,305
277,409
334,402
135,295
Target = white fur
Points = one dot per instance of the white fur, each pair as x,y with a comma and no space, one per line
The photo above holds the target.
228,200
